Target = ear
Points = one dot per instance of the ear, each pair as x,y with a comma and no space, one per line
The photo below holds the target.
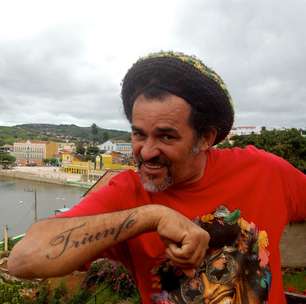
208,139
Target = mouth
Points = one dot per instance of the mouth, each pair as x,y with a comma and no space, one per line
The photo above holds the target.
152,168
155,174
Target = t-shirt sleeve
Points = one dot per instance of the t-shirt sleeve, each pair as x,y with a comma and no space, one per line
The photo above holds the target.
294,182
115,196
118,195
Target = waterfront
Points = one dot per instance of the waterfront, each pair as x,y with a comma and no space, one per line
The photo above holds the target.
17,200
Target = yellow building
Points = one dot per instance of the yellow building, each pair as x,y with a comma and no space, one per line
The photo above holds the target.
73,165
108,163
104,162
51,149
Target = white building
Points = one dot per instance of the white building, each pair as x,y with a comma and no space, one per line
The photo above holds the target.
245,130
67,146
33,151
117,146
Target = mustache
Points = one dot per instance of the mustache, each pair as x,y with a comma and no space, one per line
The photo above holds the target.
158,160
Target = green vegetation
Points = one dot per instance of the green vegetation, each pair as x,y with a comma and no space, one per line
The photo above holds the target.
295,281
105,282
94,133
6,159
15,293
289,144
9,135
51,161
114,275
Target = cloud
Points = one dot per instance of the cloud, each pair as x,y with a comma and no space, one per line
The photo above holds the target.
258,49
49,78
65,65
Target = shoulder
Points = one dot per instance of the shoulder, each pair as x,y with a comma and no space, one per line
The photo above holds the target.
248,156
110,194
250,152
128,179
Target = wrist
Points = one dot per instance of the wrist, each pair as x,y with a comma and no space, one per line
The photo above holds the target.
153,214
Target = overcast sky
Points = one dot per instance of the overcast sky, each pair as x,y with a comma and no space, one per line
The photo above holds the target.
62,61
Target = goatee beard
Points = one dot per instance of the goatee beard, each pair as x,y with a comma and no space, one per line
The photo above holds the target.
148,182
150,186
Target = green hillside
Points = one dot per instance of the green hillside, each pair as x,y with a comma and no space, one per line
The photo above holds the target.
9,135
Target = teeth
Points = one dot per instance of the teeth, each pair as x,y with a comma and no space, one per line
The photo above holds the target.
153,166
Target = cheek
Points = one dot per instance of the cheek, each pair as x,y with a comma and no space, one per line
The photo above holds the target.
183,161
136,149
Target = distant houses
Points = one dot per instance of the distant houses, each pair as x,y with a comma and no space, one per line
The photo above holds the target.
33,152
93,170
244,130
112,155
117,146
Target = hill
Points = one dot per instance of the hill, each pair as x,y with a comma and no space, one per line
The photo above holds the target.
9,135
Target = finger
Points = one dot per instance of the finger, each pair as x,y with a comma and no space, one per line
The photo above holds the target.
194,255
179,262
166,241
184,252
194,260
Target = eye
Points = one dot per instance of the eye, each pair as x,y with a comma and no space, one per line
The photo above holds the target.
138,135
167,137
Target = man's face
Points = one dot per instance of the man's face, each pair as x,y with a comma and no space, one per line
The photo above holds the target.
164,144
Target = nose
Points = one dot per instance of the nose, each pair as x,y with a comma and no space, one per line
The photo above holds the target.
149,150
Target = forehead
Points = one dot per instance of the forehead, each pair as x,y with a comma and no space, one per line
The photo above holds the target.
169,111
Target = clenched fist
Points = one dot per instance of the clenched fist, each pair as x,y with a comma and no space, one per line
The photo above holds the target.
186,243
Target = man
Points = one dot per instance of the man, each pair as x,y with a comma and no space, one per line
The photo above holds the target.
178,109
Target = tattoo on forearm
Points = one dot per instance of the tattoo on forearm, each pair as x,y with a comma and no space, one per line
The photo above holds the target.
65,241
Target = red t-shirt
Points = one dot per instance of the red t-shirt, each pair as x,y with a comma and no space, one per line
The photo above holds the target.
268,191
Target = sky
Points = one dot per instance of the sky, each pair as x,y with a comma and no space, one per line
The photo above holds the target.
62,62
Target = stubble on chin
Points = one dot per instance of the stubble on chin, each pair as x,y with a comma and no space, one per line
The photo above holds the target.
150,185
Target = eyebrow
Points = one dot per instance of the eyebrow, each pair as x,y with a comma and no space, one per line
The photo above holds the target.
158,130
136,129
166,130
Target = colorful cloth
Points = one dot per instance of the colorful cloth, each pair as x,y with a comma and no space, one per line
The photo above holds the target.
235,268
267,190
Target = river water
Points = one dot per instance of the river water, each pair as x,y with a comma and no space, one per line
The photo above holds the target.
17,201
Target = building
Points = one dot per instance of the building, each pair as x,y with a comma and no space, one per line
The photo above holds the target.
89,170
73,165
66,146
244,130
33,152
117,146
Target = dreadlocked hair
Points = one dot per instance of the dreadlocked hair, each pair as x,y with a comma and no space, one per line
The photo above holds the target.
185,76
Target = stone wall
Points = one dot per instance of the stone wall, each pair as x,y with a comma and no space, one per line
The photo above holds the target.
32,177
293,245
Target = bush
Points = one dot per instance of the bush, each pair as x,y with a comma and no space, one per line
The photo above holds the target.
10,293
58,295
114,275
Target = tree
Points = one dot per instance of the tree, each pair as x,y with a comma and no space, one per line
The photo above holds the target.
105,137
51,161
289,144
94,133
92,153
6,160
80,148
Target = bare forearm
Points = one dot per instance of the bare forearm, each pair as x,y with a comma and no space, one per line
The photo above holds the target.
57,246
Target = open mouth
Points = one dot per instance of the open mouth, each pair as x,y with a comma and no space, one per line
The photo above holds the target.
152,168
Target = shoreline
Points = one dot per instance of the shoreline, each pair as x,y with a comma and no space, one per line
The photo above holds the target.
49,175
